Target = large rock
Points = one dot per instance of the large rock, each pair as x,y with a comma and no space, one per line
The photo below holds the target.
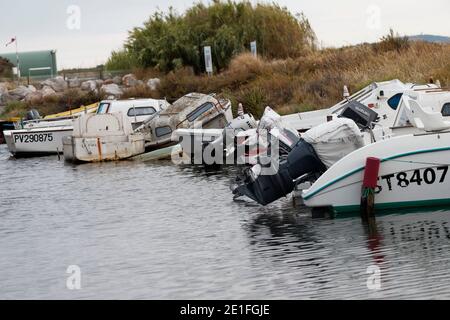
58,84
3,88
129,80
20,92
99,83
74,83
6,97
32,88
112,90
89,85
153,84
48,92
117,80
34,97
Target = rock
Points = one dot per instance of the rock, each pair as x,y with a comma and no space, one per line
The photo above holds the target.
3,88
58,84
6,97
117,80
20,92
112,89
89,85
129,80
99,83
32,88
34,97
153,84
74,83
48,92
108,81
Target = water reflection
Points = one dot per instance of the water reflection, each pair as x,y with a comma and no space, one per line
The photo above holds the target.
160,231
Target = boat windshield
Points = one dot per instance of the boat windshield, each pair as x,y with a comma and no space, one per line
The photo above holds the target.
103,108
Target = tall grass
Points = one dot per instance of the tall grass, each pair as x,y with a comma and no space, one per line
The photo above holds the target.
315,80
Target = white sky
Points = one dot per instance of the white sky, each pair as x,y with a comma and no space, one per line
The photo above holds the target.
42,25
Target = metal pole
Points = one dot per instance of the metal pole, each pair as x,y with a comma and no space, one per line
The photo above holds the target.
18,62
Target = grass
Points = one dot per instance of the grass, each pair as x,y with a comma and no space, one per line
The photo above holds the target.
310,82
316,80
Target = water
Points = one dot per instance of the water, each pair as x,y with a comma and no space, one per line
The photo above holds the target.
159,231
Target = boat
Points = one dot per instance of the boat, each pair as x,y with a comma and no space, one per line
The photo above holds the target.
102,137
194,110
241,142
38,136
413,170
382,97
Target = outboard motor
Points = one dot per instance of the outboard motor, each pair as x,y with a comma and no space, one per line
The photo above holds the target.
33,114
265,189
319,148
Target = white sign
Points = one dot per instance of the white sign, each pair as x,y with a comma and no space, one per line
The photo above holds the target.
208,60
253,48
15,70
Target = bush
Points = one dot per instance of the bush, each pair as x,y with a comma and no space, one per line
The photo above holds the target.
392,42
169,41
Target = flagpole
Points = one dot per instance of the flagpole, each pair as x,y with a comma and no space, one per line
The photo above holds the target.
18,62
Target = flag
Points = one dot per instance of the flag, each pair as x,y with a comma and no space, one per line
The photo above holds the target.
12,41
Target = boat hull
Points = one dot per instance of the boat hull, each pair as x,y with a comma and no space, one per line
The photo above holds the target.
413,172
98,149
38,141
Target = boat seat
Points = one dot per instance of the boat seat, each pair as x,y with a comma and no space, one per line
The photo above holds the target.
423,119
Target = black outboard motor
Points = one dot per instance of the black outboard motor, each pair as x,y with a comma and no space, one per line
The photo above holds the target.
265,189
33,114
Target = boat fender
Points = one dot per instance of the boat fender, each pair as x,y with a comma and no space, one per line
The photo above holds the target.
368,187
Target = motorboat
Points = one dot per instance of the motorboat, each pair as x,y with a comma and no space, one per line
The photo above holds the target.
332,158
102,137
38,136
383,98
413,170
194,110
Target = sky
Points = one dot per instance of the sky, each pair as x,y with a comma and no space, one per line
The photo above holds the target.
84,32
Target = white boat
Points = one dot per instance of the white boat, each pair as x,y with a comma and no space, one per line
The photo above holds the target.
102,137
382,97
44,136
194,110
413,171
324,145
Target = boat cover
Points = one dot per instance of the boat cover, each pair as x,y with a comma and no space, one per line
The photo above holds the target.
334,140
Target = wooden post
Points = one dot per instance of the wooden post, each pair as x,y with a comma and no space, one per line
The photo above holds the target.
368,188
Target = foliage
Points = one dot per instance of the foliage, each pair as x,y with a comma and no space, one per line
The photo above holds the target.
169,41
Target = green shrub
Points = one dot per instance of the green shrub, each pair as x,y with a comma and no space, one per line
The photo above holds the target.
169,41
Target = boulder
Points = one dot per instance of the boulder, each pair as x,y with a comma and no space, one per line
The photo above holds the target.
112,90
20,92
34,97
74,83
108,81
89,85
153,84
58,84
48,92
3,88
6,97
32,88
117,80
99,83
129,80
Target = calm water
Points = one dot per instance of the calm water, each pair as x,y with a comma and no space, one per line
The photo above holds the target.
159,231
